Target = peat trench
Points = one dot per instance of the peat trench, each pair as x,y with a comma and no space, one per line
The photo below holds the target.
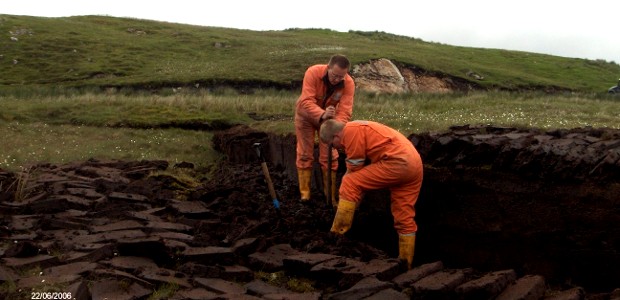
504,213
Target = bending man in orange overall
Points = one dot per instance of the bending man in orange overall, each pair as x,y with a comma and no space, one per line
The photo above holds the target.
327,93
394,164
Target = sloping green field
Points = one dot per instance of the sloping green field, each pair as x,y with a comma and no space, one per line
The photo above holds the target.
106,51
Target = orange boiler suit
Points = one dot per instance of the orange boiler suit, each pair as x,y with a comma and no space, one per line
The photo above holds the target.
394,164
316,95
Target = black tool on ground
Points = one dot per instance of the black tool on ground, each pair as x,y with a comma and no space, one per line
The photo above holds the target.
272,191
329,174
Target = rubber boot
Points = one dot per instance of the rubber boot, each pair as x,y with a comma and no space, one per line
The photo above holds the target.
344,216
406,247
304,176
333,183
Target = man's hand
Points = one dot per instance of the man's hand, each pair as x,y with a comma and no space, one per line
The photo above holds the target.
330,112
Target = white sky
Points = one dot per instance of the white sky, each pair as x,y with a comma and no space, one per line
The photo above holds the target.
582,29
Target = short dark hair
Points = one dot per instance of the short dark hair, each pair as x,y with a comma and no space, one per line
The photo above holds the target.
328,130
340,60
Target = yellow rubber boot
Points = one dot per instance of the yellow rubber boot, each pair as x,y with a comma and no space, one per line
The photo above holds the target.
304,177
333,183
344,216
406,247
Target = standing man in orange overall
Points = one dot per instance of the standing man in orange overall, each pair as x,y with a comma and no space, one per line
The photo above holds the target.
394,164
327,93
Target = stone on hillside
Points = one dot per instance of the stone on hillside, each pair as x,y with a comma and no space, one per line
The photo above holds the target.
379,75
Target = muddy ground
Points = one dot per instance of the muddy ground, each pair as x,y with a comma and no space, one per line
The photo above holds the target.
501,205
540,201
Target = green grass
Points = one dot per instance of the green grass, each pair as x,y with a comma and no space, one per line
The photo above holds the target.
428,112
76,127
108,88
97,51
32,143
164,291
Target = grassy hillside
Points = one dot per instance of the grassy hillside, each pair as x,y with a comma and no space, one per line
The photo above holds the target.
105,51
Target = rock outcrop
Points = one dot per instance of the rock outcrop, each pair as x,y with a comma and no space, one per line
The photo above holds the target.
384,76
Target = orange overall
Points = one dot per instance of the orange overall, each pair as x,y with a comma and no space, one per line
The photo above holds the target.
315,97
394,164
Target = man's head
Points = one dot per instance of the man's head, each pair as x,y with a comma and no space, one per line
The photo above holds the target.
337,68
331,132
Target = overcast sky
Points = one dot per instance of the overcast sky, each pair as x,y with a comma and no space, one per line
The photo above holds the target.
582,29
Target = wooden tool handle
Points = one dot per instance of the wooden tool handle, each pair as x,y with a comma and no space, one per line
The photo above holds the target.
272,191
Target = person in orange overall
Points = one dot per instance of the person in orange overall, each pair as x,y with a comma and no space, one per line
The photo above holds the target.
327,93
377,157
